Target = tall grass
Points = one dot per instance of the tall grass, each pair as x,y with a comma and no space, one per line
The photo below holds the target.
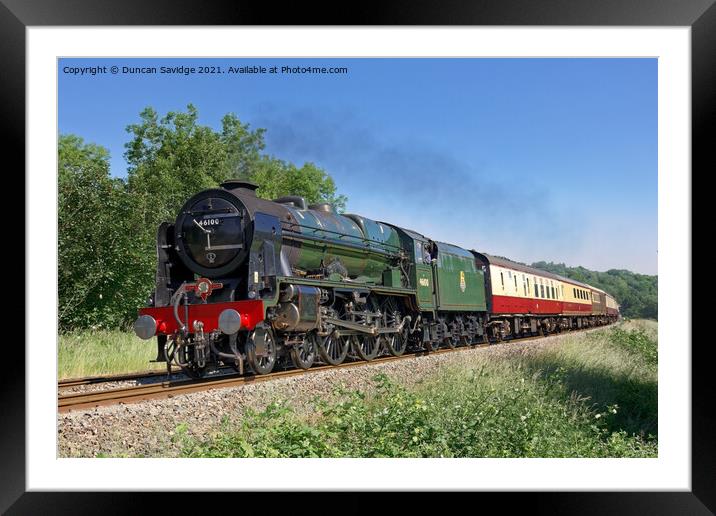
88,353
592,396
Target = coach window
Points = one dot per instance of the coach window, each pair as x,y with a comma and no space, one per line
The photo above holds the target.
554,296
515,282
502,280
541,289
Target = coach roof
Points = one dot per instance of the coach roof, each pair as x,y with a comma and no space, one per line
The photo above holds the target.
504,262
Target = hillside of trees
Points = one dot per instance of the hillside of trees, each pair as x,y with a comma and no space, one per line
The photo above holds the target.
636,293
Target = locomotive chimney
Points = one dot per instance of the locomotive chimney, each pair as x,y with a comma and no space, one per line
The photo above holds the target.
246,187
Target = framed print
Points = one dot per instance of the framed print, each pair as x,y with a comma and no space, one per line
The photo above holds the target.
44,43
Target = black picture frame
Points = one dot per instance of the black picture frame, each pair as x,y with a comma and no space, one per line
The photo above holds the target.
700,15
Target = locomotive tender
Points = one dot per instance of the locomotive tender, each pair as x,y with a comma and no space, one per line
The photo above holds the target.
243,279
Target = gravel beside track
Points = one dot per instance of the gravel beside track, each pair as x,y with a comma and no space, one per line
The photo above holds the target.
146,429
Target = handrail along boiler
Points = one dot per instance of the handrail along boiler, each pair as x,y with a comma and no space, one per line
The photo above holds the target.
241,279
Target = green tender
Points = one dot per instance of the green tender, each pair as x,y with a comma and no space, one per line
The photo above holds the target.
460,285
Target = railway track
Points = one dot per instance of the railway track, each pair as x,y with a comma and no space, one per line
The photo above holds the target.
170,388
124,377
92,380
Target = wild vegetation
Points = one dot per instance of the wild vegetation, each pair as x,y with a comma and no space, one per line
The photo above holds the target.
97,352
592,396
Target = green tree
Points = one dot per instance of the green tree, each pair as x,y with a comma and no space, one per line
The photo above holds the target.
97,266
278,178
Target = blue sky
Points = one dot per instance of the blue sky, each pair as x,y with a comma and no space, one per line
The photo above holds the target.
534,159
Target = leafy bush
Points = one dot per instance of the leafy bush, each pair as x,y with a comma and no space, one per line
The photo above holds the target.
492,410
637,342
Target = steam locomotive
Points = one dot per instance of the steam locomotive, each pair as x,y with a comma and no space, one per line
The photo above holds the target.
243,280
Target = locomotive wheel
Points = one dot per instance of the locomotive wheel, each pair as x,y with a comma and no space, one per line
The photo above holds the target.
333,350
262,364
395,343
366,347
304,354
453,339
450,341
433,345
